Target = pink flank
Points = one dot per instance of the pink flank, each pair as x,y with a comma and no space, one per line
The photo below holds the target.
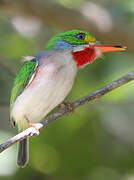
33,83
49,70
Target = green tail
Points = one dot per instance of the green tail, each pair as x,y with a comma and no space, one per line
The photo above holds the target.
23,153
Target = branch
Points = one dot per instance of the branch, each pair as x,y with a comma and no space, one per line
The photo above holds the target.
65,110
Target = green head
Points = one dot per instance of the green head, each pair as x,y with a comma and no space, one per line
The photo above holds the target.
70,39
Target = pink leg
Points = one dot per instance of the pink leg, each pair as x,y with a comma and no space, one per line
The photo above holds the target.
36,128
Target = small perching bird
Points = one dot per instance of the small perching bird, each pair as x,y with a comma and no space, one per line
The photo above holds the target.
45,80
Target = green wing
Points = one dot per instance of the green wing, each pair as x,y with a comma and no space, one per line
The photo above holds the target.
22,79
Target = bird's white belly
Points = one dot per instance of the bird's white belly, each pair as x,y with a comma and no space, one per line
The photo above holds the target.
47,90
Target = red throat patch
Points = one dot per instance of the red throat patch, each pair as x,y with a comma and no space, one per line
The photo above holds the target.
84,56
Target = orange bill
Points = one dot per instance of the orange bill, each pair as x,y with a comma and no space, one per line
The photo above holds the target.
110,48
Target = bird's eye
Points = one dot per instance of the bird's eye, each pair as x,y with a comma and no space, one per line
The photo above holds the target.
80,36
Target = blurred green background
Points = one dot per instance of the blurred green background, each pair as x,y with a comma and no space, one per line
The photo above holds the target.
97,141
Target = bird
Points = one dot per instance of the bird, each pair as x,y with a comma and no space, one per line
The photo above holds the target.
44,80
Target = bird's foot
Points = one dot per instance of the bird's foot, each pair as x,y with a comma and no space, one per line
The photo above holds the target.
35,128
68,105
99,97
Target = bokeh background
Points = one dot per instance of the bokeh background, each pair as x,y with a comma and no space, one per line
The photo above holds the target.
97,141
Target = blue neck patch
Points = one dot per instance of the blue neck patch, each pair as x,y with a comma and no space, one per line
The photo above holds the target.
63,45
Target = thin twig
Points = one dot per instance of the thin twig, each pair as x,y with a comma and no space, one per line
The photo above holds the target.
65,110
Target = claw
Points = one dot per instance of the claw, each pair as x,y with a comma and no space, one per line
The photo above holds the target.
35,128
68,105
34,132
